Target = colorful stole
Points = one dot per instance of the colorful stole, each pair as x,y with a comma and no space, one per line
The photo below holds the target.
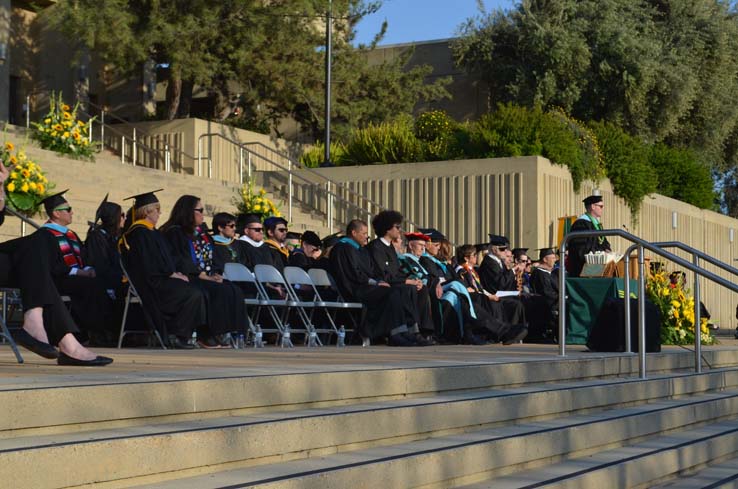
68,244
122,242
275,245
219,240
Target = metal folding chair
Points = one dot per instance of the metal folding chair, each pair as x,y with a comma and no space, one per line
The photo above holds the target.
321,278
4,332
235,272
132,297
299,280
268,275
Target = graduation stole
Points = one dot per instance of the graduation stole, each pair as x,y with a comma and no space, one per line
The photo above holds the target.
223,241
122,242
436,261
350,241
474,275
597,225
278,248
68,244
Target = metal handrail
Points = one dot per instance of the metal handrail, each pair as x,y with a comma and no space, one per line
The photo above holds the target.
24,220
695,252
290,173
641,245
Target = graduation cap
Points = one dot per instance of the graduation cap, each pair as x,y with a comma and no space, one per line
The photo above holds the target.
311,238
98,212
544,252
497,240
417,237
293,235
481,247
144,199
434,234
592,199
271,222
53,201
331,240
517,252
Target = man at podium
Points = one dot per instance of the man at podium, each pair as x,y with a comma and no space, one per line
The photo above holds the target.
591,220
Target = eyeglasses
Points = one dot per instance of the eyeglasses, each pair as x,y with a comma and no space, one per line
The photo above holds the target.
68,209
200,210
256,230
231,225
281,230
598,205
397,226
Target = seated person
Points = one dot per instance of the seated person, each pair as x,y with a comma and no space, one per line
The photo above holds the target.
388,227
523,264
226,248
355,278
92,307
101,246
496,271
192,250
25,263
293,241
306,256
256,251
510,327
545,282
174,306
275,230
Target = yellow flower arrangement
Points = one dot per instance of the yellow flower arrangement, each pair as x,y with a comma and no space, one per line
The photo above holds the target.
677,311
251,201
62,132
26,185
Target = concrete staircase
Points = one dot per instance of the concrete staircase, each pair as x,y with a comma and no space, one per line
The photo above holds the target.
581,422
89,182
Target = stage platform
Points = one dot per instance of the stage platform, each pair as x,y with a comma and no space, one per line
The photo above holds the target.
433,417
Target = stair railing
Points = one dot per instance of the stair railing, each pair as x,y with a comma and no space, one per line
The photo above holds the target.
246,163
24,220
641,245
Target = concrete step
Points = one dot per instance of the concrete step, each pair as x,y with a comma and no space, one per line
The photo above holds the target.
155,449
635,465
458,458
717,474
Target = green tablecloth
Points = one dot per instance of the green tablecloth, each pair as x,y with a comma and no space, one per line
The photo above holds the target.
585,297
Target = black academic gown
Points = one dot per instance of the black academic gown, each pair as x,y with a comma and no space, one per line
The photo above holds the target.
25,264
352,270
417,302
280,256
224,301
495,276
230,252
92,307
581,246
101,253
173,305
545,284
256,255
298,258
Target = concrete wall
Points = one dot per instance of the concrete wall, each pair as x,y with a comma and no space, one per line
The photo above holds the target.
522,198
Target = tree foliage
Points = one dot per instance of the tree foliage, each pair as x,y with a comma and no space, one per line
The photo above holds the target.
665,71
266,58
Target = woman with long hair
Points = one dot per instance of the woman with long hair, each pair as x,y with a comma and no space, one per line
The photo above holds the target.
101,246
192,250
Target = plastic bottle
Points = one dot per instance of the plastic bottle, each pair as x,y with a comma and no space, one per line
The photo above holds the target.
193,340
341,340
258,338
241,341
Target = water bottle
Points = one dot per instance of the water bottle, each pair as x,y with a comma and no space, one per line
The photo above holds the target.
312,339
286,340
258,338
341,341
193,340
241,341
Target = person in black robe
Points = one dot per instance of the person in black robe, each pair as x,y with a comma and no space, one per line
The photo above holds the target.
355,278
226,248
306,256
275,232
25,263
388,227
92,307
494,271
192,251
256,251
509,326
591,220
174,306
544,281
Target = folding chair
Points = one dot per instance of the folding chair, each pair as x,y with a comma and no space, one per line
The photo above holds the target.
299,279
132,297
321,278
267,274
235,272
4,332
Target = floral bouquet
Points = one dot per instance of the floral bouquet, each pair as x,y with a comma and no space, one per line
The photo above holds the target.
677,311
250,201
62,132
26,185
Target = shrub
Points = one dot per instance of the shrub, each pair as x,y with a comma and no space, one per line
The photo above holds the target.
62,132
433,125
626,163
388,142
682,176
315,156
509,131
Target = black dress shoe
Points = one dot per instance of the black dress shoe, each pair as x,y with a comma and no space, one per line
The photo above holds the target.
24,339
400,340
177,343
98,361
516,334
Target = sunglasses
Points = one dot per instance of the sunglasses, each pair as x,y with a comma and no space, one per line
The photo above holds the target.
397,226
281,230
200,210
231,225
256,230
68,209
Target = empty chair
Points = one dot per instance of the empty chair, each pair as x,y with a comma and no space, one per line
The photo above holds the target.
238,273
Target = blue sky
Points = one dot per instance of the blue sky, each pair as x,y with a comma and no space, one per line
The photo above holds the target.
421,20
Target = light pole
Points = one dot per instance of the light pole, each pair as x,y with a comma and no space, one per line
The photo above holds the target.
328,42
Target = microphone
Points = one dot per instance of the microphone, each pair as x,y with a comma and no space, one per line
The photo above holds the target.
626,228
